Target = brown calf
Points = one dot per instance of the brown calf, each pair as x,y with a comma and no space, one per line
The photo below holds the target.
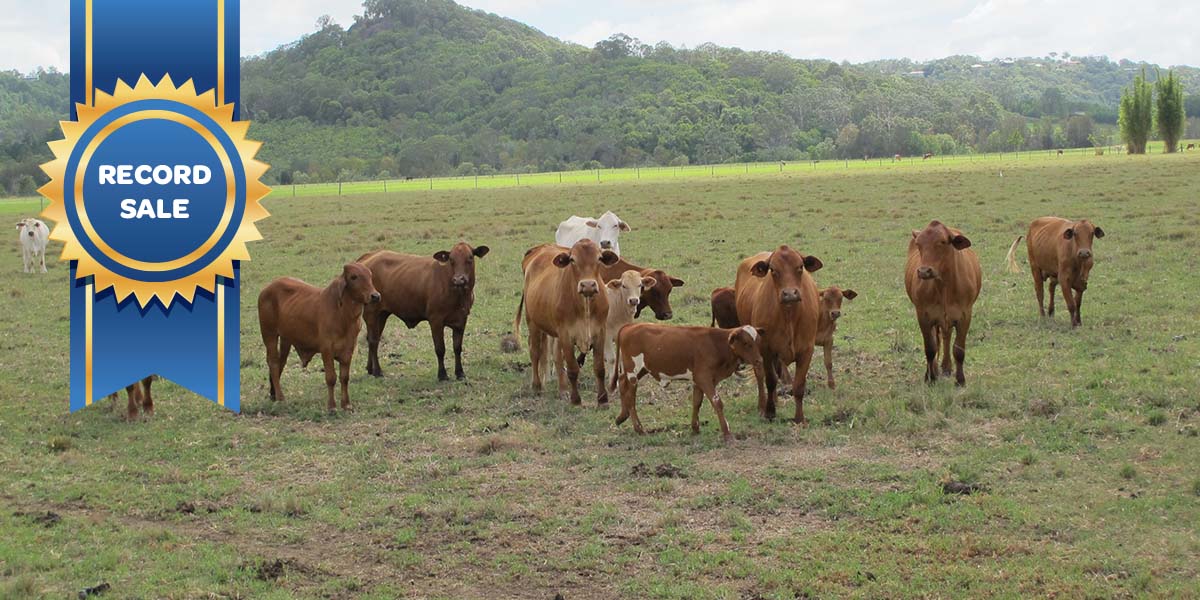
724,308
562,298
1061,251
314,320
139,395
775,291
943,279
439,289
656,297
831,311
703,355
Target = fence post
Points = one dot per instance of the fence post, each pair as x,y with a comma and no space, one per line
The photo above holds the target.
385,186
339,188
293,190
560,176
431,182
476,182
639,172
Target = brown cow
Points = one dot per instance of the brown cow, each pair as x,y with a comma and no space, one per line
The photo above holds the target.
1061,251
314,320
724,308
439,289
775,291
831,311
139,395
1191,146
703,355
657,297
943,279
562,298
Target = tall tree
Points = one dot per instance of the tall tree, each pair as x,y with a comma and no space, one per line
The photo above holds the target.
1137,114
1171,115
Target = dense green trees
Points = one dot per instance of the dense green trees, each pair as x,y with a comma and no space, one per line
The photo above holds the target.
1169,109
1137,114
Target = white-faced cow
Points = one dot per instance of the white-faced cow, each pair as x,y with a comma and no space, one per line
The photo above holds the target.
605,231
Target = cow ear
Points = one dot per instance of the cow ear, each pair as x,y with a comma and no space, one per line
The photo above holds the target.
609,258
339,288
915,233
623,226
960,242
761,331
1069,234
649,282
481,251
1099,232
760,269
614,284
20,226
441,256
562,260
676,282
849,294
592,223
812,264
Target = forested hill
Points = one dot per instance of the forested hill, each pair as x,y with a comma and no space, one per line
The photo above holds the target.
428,87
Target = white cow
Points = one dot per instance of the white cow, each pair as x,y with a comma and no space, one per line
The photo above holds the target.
604,231
624,295
33,235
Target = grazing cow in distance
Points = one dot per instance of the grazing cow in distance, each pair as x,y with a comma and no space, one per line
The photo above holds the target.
439,289
33,236
139,396
562,298
897,158
1191,146
927,156
1061,251
1060,152
605,231
315,321
775,292
943,279
656,297
703,355
831,311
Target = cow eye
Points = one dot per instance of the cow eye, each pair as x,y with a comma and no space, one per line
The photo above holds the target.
353,277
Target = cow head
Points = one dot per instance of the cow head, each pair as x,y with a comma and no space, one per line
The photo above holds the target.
786,268
610,226
744,342
461,261
355,283
626,291
584,260
28,227
1079,237
831,301
937,245
657,297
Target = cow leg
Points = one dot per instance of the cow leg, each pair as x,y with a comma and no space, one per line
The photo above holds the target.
1039,284
947,333
714,398
766,402
929,336
272,344
135,396
960,349
628,386
147,399
1078,307
42,258
375,320
344,378
697,400
598,369
25,258
829,365
457,333
330,377
801,382
567,363
536,349
1069,298
438,330
1053,284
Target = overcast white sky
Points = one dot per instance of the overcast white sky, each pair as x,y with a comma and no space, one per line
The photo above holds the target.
34,34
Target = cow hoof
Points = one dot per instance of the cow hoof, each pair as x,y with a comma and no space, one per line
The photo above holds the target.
832,385
443,377
460,376
727,438
801,422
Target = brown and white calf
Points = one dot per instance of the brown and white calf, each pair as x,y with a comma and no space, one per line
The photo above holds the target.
624,295
439,289
831,311
563,299
705,356
315,321
1061,251
943,279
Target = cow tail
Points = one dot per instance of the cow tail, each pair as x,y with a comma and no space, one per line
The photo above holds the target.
1012,256
517,319
616,367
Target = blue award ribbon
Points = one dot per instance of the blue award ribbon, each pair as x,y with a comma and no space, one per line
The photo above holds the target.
155,191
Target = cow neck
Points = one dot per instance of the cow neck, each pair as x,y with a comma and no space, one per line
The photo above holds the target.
347,307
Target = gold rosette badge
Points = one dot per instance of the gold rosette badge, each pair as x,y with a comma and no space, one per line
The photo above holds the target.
154,191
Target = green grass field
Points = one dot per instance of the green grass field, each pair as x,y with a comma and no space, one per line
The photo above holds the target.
1084,441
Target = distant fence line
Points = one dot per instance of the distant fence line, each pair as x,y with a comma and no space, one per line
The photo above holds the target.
598,176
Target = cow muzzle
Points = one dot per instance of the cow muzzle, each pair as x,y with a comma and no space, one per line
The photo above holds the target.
926,273
606,245
588,288
375,298
31,234
459,281
634,301
1085,254
664,316
789,296
835,315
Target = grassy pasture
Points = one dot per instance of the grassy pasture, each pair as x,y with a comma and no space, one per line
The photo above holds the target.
1085,441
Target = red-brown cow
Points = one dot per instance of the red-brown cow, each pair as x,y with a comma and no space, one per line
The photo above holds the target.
139,396
724,308
703,355
439,289
563,299
1061,251
831,311
656,297
775,291
943,279
314,320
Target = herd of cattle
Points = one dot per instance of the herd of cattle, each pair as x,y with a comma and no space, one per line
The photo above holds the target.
580,296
